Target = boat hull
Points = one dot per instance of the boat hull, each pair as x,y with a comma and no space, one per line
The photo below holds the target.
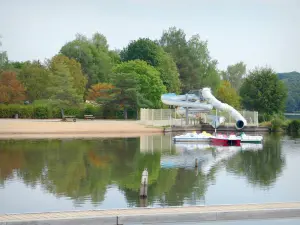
226,142
250,141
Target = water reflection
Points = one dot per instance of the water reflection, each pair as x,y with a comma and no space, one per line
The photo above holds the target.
260,167
84,170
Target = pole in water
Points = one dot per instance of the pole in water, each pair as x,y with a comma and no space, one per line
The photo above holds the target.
144,184
196,163
118,221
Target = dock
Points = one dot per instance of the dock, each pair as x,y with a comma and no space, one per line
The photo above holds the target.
158,215
209,128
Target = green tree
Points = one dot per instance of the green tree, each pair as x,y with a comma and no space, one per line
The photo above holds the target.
235,74
149,51
3,58
196,68
61,86
203,71
264,92
74,67
93,55
148,78
125,95
228,94
35,78
292,81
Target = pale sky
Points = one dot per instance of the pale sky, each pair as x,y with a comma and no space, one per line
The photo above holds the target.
258,32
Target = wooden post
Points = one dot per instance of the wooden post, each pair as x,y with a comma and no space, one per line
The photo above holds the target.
144,184
196,163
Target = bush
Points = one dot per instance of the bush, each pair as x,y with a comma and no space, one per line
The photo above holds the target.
294,126
276,123
9,111
43,110
266,124
93,110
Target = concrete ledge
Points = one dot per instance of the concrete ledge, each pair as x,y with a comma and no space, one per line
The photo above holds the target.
158,215
209,128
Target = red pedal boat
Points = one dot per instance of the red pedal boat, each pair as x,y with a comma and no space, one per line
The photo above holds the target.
224,140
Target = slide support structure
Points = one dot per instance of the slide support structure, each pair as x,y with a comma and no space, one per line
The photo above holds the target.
184,101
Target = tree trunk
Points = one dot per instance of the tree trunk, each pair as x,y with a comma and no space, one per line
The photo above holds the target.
125,113
137,114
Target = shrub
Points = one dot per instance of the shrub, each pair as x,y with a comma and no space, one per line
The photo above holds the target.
93,110
294,126
266,124
42,112
276,123
23,111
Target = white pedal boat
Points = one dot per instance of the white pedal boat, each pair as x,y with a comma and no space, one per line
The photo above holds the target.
251,139
193,137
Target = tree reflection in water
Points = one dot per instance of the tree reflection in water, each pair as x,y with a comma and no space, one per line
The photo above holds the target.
83,169
260,167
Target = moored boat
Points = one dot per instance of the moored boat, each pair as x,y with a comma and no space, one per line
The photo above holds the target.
224,140
251,139
193,137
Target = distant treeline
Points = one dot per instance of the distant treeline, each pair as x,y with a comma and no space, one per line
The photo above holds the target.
136,76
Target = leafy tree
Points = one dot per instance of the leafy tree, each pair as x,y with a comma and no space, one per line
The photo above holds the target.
16,65
93,55
115,56
74,67
196,68
235,74
126,94
96,91
35,77
11,90
292,81
228,94
3,58
264,92
149,51
204,69
61,86
148,78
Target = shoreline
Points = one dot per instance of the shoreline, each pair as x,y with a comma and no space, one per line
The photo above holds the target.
160,215
30,128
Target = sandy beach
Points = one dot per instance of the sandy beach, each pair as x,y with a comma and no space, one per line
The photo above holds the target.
55,128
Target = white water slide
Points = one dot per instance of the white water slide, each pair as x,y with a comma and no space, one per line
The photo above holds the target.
193,102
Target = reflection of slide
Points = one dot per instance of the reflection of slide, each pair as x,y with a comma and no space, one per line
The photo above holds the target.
187,153
192,101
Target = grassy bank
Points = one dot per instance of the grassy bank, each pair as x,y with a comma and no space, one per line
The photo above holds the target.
282,125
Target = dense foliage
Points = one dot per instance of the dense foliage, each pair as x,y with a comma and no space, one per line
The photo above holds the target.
264,92
150,84
11,90
196,67
228,94
292,81
235,74
86,70
149,51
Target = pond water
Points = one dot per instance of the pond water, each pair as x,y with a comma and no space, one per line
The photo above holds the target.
77,174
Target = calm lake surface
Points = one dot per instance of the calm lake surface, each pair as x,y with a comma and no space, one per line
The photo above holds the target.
75,174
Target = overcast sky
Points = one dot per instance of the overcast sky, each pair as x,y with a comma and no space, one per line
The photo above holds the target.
258,32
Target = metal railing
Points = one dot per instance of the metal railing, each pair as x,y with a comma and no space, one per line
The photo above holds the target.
171,117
